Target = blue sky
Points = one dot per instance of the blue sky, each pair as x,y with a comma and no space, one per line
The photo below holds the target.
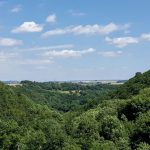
47,40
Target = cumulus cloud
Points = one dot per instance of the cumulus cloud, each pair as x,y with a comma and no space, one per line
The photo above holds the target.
68,53
110,53
28,27
9,42
16,9
145,36
51,18
87,30
122,41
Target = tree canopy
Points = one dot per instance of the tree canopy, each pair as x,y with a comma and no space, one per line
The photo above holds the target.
66,116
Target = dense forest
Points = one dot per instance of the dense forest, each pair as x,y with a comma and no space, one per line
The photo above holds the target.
65,96
71,116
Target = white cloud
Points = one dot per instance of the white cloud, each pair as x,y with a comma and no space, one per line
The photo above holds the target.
68,53
16,58
110,53
122,41
43,48
5,57
28,27
16,9
51,18
87,30
54,32
145,36
9,42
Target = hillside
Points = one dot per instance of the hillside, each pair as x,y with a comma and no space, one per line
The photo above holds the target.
40,116
133,86
65,96
117,124
26,125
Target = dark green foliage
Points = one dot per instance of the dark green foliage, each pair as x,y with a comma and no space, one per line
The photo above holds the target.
25,125
65,96
86,132
133,86
66,116
139,104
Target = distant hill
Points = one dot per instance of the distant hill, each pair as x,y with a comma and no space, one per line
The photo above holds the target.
65,96
11,82
133,86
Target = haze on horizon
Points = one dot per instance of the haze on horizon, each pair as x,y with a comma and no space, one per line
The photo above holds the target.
73,40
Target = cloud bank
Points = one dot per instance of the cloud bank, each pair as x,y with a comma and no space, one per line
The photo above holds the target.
8,42
122,41
86,30
68,53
